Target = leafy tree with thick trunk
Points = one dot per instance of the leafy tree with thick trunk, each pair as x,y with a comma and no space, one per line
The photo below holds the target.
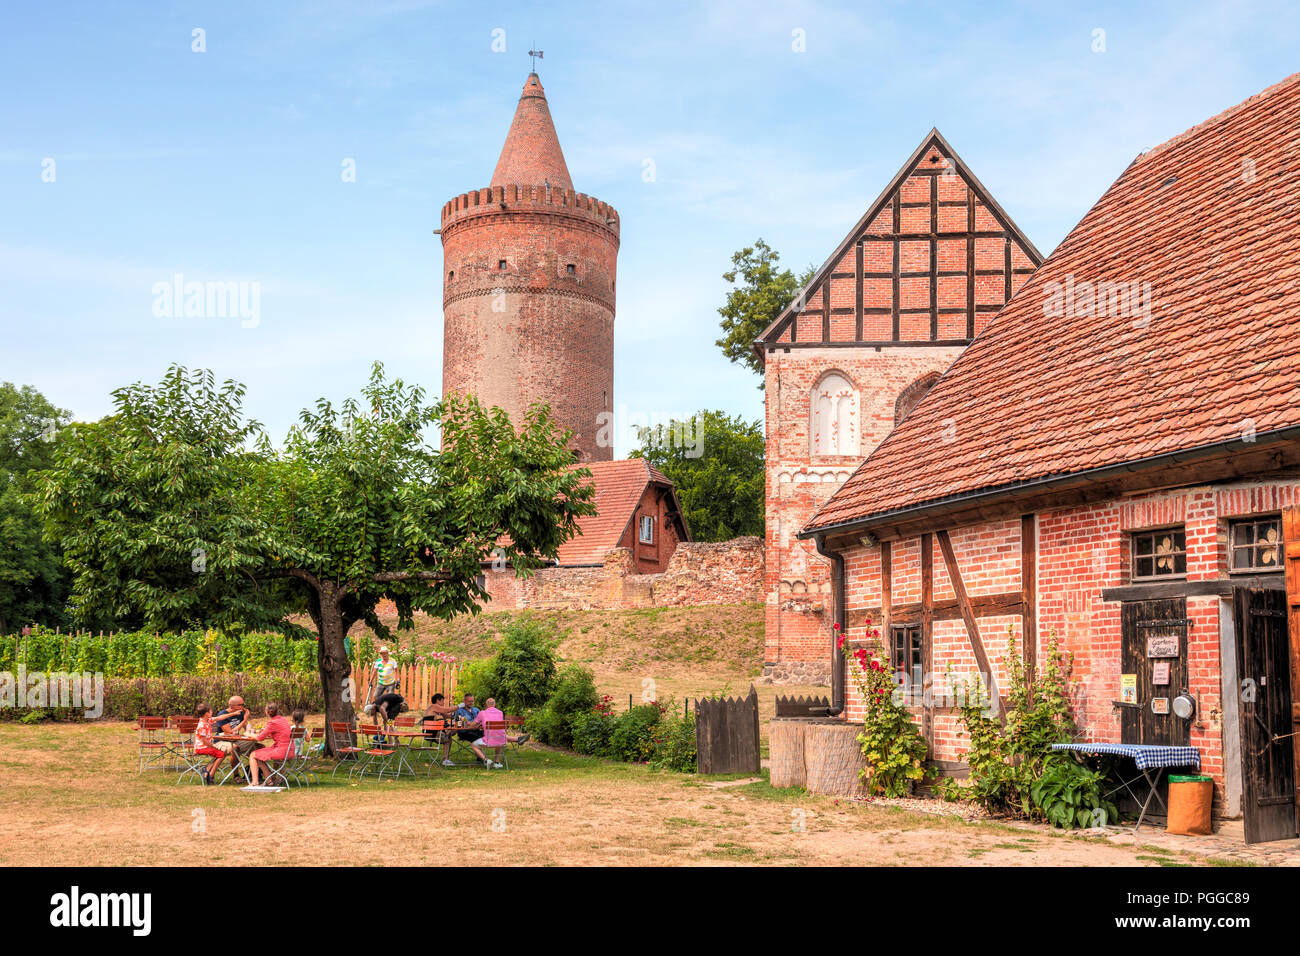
177,510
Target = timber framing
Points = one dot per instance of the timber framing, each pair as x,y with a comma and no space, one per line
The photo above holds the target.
890,197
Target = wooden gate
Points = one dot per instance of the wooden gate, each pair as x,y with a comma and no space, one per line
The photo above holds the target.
1155,633
726,734
1267,748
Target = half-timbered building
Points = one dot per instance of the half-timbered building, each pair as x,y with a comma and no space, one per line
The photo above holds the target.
922,272
1115,461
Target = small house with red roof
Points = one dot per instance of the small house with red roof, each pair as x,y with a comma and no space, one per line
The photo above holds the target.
1113,463
636,509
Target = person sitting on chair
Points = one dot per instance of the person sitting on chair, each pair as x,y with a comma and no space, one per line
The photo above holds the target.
277,728
496,739
437,710
464,715
204,745
234,721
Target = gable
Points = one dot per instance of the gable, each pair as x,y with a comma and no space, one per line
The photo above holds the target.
930,263
1164,327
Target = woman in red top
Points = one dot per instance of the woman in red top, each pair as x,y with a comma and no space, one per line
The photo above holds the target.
277,728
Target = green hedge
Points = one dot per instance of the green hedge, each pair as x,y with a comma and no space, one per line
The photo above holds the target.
147,654
126,698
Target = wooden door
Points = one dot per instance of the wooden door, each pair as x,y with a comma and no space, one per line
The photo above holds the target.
1267,748
1148,626
1291,546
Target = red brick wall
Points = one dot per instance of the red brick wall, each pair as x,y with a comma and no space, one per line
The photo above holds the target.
654,557
531,331
699,573
1080,551
798,483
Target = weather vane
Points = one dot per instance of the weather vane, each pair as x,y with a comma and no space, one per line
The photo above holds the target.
536,55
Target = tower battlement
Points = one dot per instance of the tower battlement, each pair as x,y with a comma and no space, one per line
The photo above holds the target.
528,286
511,200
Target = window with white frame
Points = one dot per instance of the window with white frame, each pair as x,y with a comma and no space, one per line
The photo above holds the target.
1255,544
647,535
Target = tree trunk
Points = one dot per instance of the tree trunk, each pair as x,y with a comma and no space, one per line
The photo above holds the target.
335,668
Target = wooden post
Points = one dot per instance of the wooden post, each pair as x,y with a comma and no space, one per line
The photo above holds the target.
886,593
1029,589
1291,544
968,616
927,636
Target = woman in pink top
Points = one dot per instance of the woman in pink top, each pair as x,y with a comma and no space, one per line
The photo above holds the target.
277,728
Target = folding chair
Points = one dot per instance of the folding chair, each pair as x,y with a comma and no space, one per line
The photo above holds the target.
344,747
278,768
153,746
493,731
190,762
372,752
300,768
430,749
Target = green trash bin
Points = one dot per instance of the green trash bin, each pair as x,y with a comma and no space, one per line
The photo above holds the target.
1190,798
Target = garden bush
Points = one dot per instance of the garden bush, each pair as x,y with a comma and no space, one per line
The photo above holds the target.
632,737
574,695
521,674
674,741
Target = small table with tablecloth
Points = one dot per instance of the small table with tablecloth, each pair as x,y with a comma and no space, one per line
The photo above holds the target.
1150,760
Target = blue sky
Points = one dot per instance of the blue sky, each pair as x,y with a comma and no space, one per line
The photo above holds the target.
226,165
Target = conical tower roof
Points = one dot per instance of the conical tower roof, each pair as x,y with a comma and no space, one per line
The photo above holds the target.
532,154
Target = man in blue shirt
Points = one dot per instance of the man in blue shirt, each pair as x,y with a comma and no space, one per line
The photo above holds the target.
465,714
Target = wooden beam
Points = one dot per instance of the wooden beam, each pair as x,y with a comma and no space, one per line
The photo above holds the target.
1169,590
984,605
886,593
1291,560
1028,590
927,634
857,291
968,615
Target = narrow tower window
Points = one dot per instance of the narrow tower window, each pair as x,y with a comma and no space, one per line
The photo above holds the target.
501,264
571,269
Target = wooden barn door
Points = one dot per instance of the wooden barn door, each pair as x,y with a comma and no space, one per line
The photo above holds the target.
1154,632
1267,747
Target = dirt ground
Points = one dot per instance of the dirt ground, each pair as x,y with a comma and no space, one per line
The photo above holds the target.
70,793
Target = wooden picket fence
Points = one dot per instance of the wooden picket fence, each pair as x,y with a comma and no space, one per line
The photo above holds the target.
417,683
726,734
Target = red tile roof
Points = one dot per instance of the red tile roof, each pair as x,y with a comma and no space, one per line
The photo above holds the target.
1209,225
531,155
619,486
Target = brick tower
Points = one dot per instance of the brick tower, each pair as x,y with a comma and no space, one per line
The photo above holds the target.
528,285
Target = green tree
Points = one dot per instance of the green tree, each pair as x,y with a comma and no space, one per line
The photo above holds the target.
33,582
178,510
716,463
761,293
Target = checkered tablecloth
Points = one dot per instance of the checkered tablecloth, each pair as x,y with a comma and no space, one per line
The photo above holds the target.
1146,756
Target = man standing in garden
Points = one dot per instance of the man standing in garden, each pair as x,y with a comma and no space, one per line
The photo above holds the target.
386,674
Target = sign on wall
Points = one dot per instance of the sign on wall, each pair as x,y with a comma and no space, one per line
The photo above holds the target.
1128,688
1162,645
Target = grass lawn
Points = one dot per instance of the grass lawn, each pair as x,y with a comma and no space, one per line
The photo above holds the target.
71,795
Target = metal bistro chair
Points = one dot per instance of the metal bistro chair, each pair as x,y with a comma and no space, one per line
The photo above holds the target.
190,762
279,767
304,765
344,746
430,749
152,745
372,752
494,730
